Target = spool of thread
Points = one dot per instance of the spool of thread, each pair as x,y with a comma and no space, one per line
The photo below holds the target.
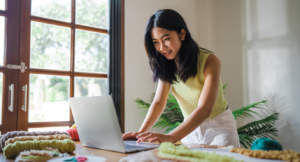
265,144
74,134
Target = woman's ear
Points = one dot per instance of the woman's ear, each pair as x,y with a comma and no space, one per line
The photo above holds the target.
182,34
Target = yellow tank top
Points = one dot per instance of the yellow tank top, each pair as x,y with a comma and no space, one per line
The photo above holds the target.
188,93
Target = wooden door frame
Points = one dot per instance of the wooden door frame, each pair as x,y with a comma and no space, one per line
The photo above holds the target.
24,57
11,56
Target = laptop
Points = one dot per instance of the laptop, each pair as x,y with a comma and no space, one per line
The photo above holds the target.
98,127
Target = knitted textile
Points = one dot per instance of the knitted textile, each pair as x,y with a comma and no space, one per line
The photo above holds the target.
13,150
188,93
13,134
169,151
74,134
31,138
286,155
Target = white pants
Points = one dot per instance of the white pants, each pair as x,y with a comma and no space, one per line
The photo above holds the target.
220,130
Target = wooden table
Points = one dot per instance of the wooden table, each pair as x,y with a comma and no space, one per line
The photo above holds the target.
81,151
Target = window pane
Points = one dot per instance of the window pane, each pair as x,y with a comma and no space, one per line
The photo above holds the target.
90,87
92,13
2,33
48,129
53,9
1,87
91,52
2,4
48,100
50,46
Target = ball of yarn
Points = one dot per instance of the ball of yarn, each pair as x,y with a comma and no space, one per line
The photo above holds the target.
265,144
74,134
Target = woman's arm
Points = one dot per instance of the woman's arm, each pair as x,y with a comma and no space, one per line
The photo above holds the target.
157,106
205,105
155,110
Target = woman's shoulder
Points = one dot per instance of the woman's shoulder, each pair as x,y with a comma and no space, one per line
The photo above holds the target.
203,54
203,51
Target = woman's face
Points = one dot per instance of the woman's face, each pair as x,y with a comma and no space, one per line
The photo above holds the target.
167,42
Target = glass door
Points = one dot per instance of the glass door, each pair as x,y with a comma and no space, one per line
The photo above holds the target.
65,45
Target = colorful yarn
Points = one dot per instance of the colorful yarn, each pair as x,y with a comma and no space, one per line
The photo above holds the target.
71,160
74,126
13,134
78,159
81,159
12,150
265,144
35,157
39,153
31,138
169,151
74,134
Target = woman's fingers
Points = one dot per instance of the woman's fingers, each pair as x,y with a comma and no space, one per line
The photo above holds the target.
135,134
143,134
141,139
155,139
130,135
144,138
126,135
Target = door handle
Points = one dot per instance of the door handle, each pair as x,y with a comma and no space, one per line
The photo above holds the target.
22,67
11,106
24,107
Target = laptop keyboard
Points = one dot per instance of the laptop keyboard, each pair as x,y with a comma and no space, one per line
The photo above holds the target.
133,147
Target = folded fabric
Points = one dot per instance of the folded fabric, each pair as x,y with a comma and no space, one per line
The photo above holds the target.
13,150
74,134
31,138
13,134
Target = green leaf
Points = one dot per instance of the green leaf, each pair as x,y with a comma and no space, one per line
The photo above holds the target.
246,112
224,87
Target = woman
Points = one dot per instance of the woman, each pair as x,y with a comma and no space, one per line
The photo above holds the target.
194,73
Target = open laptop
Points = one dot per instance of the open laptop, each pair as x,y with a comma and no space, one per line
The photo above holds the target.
98,126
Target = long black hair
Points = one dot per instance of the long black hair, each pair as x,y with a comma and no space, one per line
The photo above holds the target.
187,56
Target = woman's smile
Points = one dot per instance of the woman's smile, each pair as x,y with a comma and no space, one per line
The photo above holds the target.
167,54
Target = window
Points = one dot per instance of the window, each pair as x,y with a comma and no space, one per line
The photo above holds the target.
68,52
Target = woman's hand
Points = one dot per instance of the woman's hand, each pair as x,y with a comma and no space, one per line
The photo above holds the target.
155,137
131,136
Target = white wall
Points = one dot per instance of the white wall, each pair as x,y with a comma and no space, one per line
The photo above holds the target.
138,82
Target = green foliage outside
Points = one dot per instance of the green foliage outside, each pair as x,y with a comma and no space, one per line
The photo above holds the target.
50,44
172,117
50,48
